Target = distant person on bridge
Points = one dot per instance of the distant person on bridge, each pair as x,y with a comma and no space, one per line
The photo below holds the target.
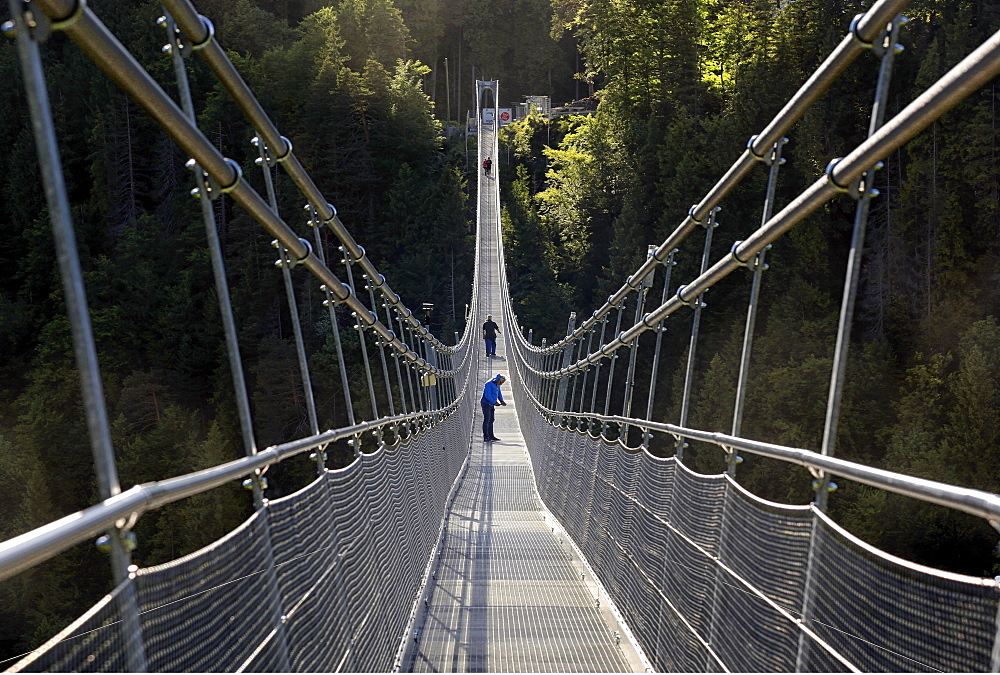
490,331
491,399
487,165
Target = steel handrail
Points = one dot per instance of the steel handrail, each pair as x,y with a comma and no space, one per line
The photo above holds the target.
202,37
970,74
31,548
979,503
94,38
864,30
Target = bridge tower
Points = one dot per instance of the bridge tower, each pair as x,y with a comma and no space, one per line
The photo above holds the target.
486,105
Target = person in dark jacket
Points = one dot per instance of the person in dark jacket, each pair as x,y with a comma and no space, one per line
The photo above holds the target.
487,165
490,331
492,397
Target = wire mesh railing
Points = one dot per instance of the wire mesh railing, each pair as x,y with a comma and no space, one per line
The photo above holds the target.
709,576
326,578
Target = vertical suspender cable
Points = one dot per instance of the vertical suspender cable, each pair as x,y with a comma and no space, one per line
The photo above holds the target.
669,264
84,348
381,350
863,191
232,344
360,327
644,287
597,371
695,325
611,368
285,262
331,306
775,160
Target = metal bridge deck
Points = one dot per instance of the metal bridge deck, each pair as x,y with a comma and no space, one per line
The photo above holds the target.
509,593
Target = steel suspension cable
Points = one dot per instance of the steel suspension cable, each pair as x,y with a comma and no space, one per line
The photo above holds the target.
970,74
359,327
863,192
695,326
381,351
660,328
81,331
285,263
864,31
759,266
331,307
83,27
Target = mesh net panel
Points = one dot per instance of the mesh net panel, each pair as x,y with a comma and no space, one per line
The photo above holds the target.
91,644
321,580
709,577
884,614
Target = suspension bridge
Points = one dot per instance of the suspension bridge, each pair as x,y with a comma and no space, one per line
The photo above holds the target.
564,546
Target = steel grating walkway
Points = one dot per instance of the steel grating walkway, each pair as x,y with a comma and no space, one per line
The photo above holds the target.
509,593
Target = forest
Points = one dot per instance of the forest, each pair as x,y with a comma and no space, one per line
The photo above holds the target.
363,90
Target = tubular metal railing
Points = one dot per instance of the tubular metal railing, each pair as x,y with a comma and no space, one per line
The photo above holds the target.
843,175
565,429
546,378
441,372
864,33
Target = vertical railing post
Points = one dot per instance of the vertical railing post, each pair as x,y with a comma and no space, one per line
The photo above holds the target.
669,268
331,304
370,285
644,286
774,160
84,347
396,357
597,369
360,328
698,305
206,194
285,262
432,389
414,394
577,353
567,357
863,191
586,373
611,368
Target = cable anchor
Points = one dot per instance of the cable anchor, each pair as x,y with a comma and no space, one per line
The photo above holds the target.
856,189
693,304
286,259
212,188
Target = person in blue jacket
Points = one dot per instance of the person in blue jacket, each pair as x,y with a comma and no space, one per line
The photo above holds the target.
491,399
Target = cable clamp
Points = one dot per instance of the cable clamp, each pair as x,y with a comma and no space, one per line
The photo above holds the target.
288,152
333,212
209,34
236,181
736,258
759,158
855,24
829,176
286,259
691,215
74,16
680,298
856,189
693,304
212,188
